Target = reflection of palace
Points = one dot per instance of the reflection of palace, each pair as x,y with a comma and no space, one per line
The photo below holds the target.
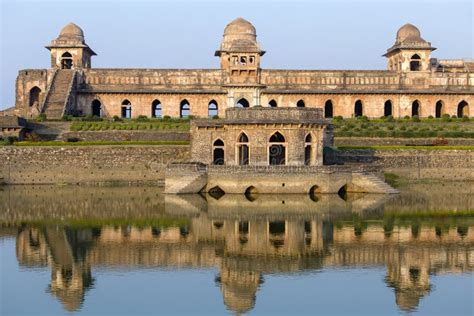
246,246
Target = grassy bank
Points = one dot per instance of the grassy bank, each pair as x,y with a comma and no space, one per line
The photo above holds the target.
404,128
401,147
100,143
130,125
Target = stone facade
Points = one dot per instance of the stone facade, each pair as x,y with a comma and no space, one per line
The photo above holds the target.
413,84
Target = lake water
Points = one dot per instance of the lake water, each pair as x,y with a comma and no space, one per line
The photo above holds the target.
134,250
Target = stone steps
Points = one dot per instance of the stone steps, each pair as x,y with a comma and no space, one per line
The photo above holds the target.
54,107
373,184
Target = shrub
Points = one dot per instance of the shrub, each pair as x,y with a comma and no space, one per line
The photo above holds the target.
403,128
67,118
406,117
41,118
454,116
338,118
390,127
389,118
363,118
430,117
215,117
446,118
142,118
72,140
10,140
465,118
166,118
116,118
415,118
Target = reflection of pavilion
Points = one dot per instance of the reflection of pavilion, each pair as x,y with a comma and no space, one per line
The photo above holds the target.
246,243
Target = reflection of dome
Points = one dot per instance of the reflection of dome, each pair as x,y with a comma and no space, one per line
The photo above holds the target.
72,32
240,36
239,289
410,33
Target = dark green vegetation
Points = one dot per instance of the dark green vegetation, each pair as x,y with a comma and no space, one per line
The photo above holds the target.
401,147
100,143
90,223
404,128
135,124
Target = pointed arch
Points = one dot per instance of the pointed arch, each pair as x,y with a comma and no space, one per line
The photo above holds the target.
242,149
463,109
308,149
272,103
439,109
242,103
184,109
96,108
358,108
328,109
35,94
415,108
66,61
126,109
300,103
277,149
212,108
415,62
156,108
218,153
387,108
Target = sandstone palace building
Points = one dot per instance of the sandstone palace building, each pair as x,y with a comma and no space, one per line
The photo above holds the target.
413,83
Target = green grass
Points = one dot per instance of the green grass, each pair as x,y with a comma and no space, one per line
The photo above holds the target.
90,223
404,128
99,143
400,147
129,125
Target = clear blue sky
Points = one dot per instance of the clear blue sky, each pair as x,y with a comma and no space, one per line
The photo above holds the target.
184,34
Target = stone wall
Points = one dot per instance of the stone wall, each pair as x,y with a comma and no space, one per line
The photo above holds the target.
81,164
127,136
418,164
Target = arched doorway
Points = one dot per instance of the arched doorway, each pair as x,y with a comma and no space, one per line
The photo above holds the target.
242,103
184,109
156,109
35,93
463,109
96,108
358,109
126,109
218,152
243,149
387,108
415,63
272,103
212,109
277,150
308,150
66,61
300,104
415,108
439,111
328,109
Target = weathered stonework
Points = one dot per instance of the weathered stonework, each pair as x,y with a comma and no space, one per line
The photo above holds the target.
413,84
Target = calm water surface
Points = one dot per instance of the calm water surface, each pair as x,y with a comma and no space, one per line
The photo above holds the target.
133,250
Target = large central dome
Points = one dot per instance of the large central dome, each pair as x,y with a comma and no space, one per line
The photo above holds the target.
240,36
72,32
409,32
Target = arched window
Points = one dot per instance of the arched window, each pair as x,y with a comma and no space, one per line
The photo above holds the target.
415,108
272,103
277,150
218,152
308,150
96,108
463,109
212,108
126,109
35,93
415,63
66,61
243,149
387,108
358,109
328,109
184,109
439,111
242,103
300,104
156,109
